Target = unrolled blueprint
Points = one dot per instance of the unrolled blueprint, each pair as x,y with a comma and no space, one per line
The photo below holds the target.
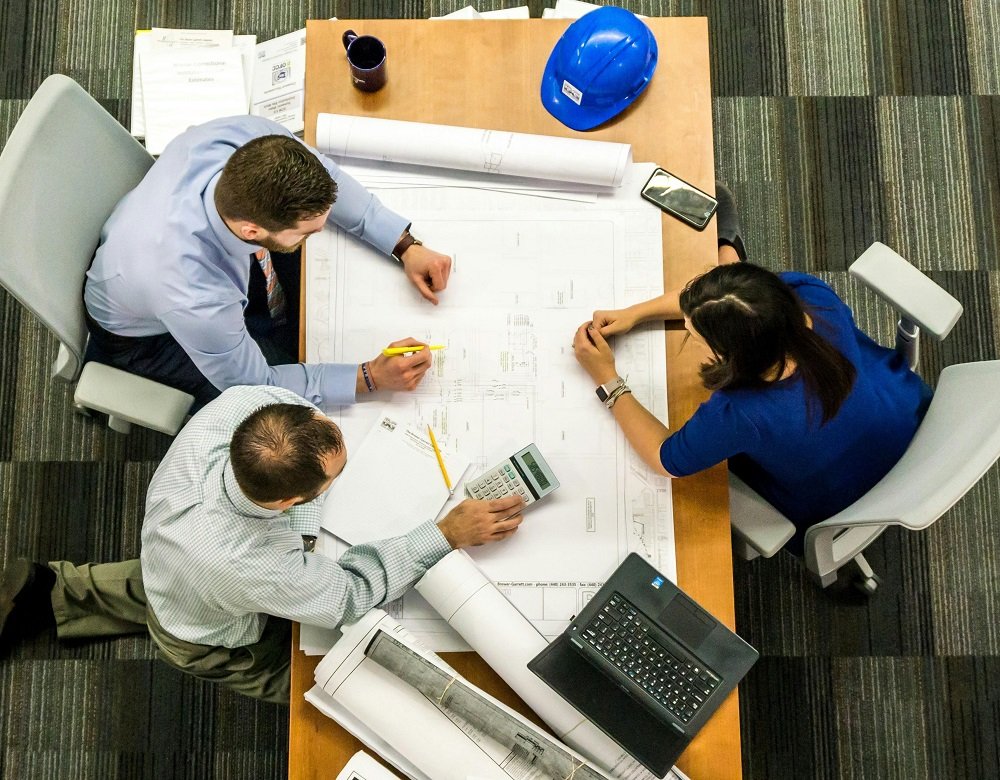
526,273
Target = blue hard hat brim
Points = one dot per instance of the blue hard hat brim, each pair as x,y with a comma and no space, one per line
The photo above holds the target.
578,117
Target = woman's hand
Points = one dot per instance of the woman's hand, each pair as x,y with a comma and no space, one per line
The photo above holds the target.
594,353
615,321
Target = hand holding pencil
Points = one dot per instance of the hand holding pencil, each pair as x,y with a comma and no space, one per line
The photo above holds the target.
400,366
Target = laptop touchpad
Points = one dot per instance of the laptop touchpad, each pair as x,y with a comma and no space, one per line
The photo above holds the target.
687,621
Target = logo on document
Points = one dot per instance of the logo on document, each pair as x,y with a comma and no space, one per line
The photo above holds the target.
389,425
281,72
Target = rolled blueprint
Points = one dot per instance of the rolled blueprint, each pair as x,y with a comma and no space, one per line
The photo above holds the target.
443,729
492,152
507,641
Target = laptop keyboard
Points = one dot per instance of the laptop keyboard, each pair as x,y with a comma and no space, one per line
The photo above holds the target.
630,642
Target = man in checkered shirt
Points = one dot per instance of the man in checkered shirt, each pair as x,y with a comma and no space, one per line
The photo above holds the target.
226,562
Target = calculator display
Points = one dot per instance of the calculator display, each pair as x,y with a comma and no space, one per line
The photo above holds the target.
535,470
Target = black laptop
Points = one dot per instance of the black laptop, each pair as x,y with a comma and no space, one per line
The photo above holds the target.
645,663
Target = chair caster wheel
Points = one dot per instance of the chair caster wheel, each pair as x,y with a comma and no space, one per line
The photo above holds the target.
868,585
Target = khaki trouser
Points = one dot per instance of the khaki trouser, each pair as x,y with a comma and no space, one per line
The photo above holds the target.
107,599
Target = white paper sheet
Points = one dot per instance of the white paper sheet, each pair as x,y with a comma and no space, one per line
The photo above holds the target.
470,13
392,481
571,9
166,38
489,152
246,45
183,87
279,78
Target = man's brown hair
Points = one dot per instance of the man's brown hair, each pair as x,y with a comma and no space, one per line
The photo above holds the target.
275,182
277,452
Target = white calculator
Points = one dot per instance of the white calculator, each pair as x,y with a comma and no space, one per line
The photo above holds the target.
525,473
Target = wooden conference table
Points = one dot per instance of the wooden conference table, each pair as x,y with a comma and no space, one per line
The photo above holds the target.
487,74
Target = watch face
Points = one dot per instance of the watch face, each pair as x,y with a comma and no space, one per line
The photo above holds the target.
604,391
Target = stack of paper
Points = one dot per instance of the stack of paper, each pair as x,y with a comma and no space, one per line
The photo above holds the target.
392,481
570,9
182,78
520,12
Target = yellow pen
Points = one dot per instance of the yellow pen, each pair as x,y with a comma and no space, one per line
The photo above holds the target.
392,351
444,471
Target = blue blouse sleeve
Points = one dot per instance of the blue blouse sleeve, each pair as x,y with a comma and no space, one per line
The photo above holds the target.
715,432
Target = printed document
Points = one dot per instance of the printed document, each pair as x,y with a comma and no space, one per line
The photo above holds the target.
279,80
273,76
392,481
185,87
164,38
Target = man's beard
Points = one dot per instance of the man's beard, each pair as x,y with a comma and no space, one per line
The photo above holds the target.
273,246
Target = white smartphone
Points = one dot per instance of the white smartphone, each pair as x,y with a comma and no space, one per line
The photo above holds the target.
680,199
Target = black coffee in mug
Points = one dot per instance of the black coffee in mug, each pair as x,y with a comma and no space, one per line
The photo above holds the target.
366,56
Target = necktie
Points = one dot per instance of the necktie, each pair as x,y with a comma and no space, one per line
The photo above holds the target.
275,295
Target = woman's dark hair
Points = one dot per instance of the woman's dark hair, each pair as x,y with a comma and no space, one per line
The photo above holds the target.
275,182
754,324
278,452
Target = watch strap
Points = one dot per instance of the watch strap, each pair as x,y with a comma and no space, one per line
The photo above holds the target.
405,242
605,391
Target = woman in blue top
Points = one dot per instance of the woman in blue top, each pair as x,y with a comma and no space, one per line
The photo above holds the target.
809,411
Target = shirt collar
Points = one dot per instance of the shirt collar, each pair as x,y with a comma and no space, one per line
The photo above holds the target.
233,245
237,498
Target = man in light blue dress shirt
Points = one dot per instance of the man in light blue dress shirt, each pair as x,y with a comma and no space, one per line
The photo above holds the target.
170,293
225,562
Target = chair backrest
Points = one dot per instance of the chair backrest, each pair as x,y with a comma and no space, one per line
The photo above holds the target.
958,440
65,167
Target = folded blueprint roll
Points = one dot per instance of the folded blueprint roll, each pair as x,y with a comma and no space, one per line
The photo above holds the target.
506,640
574,160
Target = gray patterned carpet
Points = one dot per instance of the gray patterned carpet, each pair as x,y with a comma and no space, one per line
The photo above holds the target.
838,122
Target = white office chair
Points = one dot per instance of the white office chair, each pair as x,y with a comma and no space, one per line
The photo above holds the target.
66,165
958,440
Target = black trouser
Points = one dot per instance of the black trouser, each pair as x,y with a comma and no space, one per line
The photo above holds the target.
163,360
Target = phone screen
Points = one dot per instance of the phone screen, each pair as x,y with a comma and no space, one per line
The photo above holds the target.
677,197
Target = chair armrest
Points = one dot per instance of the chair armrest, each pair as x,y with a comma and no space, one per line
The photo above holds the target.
754,521
132,398
904,287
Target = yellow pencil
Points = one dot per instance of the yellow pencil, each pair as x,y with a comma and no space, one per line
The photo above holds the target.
444,471
391,351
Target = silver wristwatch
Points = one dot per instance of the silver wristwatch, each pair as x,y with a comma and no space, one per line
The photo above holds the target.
607,391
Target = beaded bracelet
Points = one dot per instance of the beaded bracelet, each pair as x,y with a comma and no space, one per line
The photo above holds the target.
369,382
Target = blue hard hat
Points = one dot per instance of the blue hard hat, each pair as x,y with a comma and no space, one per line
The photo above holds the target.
601,64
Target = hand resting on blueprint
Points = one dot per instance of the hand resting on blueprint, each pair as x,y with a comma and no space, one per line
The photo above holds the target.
473,522
594,353
427,270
